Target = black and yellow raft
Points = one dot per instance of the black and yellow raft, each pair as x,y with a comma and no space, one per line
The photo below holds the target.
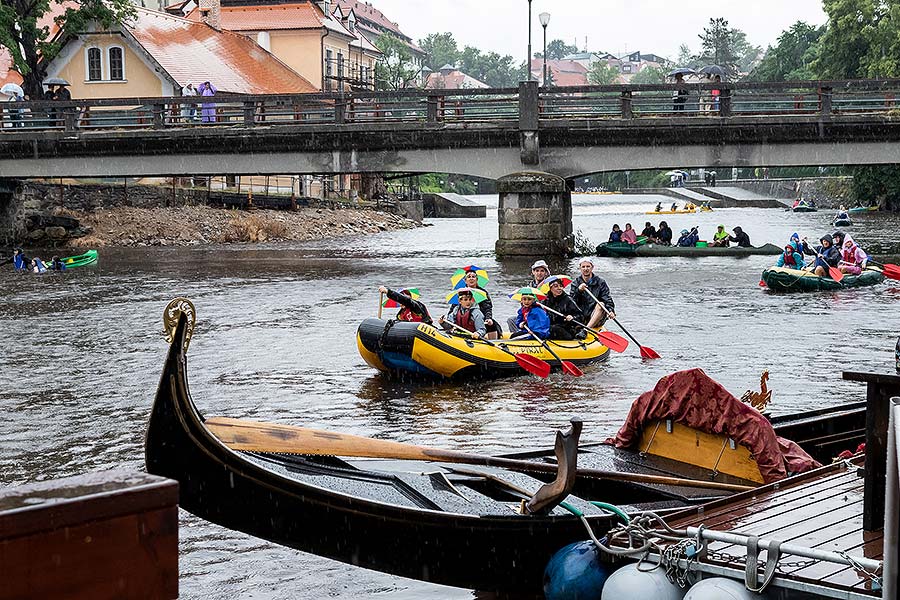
401,347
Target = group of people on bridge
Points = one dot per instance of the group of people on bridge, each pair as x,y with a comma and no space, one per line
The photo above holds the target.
546,310
838,250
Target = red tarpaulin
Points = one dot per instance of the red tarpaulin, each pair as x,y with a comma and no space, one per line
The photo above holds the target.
693,399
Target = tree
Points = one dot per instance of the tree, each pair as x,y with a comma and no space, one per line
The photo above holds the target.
491,68
601,73
650,75
718,45
30,45
558,49
791,58
395,70
441,50
844,45
877,185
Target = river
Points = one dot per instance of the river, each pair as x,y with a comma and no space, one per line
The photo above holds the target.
275,341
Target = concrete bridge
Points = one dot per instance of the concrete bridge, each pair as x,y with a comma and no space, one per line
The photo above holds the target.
563,133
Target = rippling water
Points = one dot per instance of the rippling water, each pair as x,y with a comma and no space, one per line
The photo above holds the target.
275,340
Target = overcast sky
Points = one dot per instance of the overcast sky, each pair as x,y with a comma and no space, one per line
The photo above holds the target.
616,26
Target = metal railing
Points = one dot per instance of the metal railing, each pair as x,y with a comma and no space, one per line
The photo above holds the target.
525,107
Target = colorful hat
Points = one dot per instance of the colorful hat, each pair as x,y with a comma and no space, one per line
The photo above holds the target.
453,297
528,291
411,292
563,280
458,279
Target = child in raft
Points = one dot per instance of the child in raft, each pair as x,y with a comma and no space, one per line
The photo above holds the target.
466,314
534,316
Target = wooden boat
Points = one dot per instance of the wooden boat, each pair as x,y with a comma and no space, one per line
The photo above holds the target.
623,250
432,521
782,279
81,260
420,349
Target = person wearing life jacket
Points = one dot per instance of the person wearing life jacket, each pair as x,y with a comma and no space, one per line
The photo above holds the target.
38,266
466,314
720,237
486,306
56,264
20,261
839,238
826,256
853,259
412,310
535,316
790,258
658,207
562,328
688,239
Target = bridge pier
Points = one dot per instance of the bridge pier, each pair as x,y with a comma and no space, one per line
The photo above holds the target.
535,215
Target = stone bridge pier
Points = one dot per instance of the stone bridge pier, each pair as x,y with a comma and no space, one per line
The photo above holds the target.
535,215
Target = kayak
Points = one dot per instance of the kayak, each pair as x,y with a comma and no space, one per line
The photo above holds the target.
82,260
842,223
861,209
680,211
402,347
782,279
623,250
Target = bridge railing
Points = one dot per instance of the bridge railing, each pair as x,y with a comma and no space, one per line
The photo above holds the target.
526,105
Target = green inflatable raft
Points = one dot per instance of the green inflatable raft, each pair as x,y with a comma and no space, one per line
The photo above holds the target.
782,279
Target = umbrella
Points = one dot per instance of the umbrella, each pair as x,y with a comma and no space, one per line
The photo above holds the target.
453,297
676,173
563,280
713,70
12,89
528,291
458,278
682,71
55,81
411,292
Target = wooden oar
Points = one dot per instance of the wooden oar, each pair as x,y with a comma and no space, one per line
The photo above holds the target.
532,364
567,366
613,341
252,436
380,302
646,352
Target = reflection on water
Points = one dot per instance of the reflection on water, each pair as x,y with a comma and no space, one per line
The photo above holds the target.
275,340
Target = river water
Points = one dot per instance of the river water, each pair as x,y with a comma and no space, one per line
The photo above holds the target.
275,341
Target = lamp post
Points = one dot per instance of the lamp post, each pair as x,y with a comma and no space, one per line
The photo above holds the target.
528,62
545,19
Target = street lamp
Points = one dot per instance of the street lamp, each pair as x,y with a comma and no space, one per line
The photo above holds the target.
545,19
528,62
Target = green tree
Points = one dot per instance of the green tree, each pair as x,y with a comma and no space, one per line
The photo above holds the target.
441,50
395,70
601,73
877,185
557,49
845,44
31,46
491,68
719,45
791,58
650,75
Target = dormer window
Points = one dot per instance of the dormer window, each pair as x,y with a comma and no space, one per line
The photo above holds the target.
351,22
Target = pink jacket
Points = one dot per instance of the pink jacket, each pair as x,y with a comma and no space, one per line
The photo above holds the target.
629,236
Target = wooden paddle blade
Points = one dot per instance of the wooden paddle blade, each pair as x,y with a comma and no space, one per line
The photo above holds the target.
613,341
533,364
835,274
571,369
649,353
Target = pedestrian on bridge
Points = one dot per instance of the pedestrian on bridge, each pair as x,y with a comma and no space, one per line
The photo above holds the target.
188,109
208,111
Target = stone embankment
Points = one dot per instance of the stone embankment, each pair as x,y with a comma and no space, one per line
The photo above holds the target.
104,215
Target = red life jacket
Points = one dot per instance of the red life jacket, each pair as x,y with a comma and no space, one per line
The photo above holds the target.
789,259
465,320
407,315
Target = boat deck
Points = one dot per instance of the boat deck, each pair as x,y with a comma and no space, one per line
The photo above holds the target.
822,510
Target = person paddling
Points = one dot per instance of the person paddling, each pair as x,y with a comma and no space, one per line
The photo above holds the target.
562,327
740,238
466,314
592,313
412,309
486,306
853,259
533,315
826,256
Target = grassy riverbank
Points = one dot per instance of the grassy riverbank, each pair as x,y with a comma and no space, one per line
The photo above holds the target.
194,225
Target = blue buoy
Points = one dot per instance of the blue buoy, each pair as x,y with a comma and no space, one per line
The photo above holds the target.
575,573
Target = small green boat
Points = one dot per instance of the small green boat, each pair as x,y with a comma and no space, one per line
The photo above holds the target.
624,250
862,209
82,260
782,279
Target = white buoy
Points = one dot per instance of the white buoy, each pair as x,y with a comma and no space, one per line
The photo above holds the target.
721,588
631,584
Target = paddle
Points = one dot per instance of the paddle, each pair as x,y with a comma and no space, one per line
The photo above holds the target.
611,340
646,352
567,366
833,272
250,436
380,302
889,270
532,364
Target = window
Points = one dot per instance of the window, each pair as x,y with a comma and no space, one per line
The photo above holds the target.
351,22
116,64
94,65
328,55
340,65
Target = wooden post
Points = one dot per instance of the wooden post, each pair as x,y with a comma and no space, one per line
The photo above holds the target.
627,111
249,113
159,113
431,109
825,100
879,390
69,119
725,102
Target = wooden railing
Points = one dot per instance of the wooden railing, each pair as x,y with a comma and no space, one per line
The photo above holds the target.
525,108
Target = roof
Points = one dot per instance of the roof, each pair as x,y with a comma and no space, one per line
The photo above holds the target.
191,51
563,72
269,17
367,16
455,80
8,74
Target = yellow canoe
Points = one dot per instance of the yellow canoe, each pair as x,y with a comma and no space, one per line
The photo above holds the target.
422,349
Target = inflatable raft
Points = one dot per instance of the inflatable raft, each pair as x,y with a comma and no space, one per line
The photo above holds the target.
402,347
782,279
625,250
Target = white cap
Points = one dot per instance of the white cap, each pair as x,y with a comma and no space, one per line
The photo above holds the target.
585,260
540,263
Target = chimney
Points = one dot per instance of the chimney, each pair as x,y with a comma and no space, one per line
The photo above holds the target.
209,13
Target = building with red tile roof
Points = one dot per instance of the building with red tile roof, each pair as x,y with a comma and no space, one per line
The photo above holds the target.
8,73
157,54
451,78
562,72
